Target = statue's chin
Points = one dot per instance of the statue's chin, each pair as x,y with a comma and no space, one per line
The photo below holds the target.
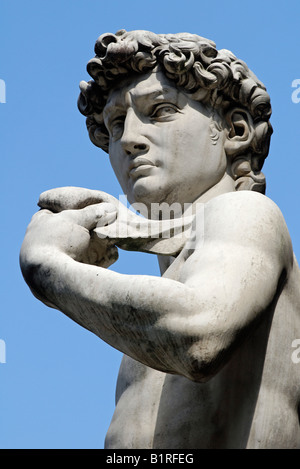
145,193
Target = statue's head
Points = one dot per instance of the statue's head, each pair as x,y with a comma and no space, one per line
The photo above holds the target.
234,105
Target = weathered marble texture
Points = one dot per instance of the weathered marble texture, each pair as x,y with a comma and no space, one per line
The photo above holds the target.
207,346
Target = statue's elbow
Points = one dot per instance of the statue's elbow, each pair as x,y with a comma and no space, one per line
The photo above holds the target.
203,368
200,373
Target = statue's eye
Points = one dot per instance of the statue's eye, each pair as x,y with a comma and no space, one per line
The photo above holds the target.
163,111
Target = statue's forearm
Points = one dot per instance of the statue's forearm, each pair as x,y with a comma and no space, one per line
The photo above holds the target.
142,316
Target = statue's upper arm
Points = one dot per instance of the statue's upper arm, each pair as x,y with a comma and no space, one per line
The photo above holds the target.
242,250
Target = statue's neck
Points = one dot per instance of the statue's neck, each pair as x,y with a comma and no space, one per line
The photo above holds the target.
225,185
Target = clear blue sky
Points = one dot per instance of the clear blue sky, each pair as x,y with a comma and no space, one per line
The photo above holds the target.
58,382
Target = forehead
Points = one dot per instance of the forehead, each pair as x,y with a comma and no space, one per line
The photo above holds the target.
150,85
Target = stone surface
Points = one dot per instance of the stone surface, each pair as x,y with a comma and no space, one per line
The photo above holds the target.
208,345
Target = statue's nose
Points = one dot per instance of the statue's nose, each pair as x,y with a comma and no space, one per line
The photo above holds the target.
135,148
133,139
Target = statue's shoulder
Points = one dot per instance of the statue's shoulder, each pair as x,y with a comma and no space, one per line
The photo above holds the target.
246,196
247,218
248,205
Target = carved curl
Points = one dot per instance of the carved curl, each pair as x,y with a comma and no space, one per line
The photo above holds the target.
216,78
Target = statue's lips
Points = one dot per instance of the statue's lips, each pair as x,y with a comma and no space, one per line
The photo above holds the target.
140,164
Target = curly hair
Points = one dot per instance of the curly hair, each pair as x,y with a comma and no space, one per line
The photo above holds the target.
216,78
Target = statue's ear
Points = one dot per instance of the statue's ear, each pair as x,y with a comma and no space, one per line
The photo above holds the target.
240,132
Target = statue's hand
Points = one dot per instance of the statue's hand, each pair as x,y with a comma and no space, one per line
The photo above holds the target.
73,198
100,252
70,232
128,231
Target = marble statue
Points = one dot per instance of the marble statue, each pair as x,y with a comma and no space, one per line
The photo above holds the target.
208,345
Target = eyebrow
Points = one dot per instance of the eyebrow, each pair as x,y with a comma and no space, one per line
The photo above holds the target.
160,92
113,105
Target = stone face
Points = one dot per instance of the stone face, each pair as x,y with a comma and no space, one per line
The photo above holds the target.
208,345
